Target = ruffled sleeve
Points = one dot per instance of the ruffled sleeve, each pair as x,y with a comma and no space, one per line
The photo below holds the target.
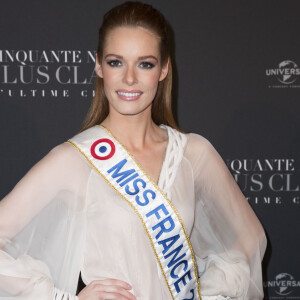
228,239
41,227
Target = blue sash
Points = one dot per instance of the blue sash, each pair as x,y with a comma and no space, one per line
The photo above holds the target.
161,221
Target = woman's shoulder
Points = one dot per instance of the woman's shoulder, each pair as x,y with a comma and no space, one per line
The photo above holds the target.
197,139
67,149
64,151
198,145
61,158
203,157
67,153
88,134
194,144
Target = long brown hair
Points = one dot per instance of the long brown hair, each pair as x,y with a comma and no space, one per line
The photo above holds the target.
144,15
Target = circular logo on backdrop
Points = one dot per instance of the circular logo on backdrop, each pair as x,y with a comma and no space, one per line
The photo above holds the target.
283,285
284,282
103,149
287,72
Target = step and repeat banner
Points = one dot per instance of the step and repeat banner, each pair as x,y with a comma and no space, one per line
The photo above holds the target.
236,82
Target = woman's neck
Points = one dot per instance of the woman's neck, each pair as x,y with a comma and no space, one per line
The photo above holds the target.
135,132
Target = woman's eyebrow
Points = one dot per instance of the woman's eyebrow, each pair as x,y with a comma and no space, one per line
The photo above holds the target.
115,55
139,58
146,57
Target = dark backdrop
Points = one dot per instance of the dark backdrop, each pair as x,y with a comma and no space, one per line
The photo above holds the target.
236,83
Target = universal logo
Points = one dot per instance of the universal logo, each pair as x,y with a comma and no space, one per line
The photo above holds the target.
284,285
287,74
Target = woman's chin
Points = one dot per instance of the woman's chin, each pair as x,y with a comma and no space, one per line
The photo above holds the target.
132,111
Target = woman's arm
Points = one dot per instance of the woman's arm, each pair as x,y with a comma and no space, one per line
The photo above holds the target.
41,222
227,235
31,218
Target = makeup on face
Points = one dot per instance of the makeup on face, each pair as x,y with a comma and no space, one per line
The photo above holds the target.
129,95
131,70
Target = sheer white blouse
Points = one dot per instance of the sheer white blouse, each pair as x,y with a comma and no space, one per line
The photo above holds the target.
62,218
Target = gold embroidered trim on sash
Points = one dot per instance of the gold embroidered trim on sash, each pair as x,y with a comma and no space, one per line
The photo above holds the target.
171,204
140,217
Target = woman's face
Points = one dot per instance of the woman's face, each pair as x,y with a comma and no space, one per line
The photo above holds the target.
131,69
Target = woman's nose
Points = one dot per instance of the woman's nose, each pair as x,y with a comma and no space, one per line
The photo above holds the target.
130,76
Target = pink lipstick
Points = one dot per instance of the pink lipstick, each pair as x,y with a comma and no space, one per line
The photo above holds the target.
129,95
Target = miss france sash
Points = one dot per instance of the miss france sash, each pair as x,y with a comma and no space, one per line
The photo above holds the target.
160,219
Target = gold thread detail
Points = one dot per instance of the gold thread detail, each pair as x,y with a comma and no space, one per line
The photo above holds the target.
172,206
135,210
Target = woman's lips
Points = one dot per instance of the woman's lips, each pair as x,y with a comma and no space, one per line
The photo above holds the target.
129,95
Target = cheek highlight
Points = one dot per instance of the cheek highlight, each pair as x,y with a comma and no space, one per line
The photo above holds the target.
150,79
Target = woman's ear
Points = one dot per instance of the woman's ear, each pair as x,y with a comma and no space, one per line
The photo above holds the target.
164,70
98,67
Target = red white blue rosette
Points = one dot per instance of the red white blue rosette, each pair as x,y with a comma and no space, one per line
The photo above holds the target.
103,149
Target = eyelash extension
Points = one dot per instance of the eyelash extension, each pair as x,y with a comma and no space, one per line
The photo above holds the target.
114,63
149,65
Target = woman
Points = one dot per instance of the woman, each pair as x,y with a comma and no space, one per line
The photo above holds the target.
132,204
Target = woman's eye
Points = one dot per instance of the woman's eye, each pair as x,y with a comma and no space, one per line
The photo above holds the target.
114,63
146,65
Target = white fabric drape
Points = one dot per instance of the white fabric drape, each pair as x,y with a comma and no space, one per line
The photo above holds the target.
62,218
